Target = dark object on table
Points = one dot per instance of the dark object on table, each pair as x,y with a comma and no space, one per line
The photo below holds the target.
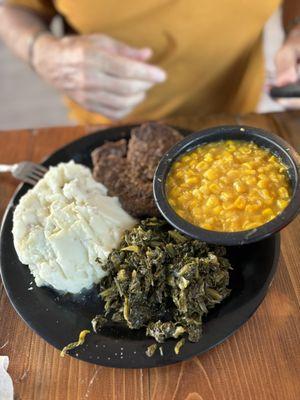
164,281
127,168
275,144
58,319
285,91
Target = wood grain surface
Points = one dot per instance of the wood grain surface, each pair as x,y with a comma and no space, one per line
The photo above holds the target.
261,361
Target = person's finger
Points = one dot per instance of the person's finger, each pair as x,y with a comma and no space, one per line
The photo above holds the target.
126,86
115,101
97,80
107,99
97,107
116,47
130,69
109,112
286,66
138,54
290,103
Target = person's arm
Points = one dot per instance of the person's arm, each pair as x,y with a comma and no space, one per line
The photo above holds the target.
101,74
288,57
18,28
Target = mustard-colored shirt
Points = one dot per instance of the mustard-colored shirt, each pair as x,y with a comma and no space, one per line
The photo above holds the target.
211,50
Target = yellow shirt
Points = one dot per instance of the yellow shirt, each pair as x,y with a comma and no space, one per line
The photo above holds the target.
211,49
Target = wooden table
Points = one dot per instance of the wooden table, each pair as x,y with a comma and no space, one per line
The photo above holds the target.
261,361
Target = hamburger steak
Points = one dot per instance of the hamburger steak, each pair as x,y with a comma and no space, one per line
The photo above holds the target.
127,168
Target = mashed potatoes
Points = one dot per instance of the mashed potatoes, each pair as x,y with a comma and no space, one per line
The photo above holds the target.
64,224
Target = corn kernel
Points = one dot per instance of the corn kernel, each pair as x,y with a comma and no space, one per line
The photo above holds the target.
283,193
206,226
233,174
231,148
181,213
197,212
197,193
208,157
252,208
223,179
228,206
217,210
265,194
249,180
239,187
272,158
177,164
212,201
282,203
262,184
225,196
250,225
213,187
249,172
211,174
172,203
240,203
247,165
181,200
268,212
228,157
179,174
274,177
202,165
245,150
268,201
175,192
192,180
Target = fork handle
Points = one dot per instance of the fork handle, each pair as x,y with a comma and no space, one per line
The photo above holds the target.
6,167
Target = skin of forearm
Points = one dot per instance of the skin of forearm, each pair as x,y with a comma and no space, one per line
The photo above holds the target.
18,27
290,10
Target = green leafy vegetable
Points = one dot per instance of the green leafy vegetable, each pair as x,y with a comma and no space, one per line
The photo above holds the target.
178,345
79,342
151,350
163,281
97,322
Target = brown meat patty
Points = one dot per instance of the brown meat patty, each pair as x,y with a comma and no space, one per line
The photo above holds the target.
127,168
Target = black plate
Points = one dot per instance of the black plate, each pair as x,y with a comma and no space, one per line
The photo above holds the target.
59,319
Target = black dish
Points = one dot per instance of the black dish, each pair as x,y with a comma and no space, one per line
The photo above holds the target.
262,138
60,319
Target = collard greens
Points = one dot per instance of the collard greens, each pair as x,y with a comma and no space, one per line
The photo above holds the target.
163,281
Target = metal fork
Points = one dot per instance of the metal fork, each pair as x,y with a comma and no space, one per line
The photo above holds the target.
25,171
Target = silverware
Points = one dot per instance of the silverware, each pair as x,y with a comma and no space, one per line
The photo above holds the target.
25,171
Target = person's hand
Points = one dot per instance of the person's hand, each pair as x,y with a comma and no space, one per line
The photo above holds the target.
101,74
287,66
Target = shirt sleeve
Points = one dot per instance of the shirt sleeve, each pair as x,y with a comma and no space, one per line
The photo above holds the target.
45,8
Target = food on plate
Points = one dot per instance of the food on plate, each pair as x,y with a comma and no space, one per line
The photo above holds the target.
127,168
228,186
151,349
161,280
64,224
73,345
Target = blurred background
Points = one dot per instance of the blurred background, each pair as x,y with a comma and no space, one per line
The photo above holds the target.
27,101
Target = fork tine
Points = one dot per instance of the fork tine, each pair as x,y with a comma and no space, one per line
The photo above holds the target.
30,181
37,172
34,175
41,168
